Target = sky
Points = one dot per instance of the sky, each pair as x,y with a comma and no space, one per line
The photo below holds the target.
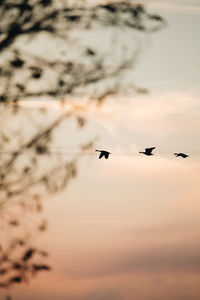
128,227
172,63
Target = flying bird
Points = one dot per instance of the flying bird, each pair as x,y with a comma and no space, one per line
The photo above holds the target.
183,155
148,151
103,153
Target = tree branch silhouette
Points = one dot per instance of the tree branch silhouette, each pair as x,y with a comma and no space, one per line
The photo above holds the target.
25,174
50,50
26,74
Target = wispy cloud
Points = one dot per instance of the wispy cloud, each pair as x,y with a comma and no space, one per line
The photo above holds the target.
168,256
152,117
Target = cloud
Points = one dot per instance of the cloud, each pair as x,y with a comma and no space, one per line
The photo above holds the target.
169,122
156,115
153,112
169,257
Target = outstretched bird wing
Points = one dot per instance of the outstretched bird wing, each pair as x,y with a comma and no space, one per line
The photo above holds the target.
183,155
106,154
101,154
149,150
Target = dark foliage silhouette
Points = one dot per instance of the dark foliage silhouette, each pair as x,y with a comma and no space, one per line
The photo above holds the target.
27,171
69,64
47,54
148,151
16,268
103,153
19,175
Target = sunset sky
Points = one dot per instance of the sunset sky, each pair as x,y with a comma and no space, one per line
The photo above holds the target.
128,227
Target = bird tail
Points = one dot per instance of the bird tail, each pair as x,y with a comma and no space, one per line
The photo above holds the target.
98,150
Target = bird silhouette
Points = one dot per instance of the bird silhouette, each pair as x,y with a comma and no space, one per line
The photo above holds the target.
183,155
103,153
148,151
